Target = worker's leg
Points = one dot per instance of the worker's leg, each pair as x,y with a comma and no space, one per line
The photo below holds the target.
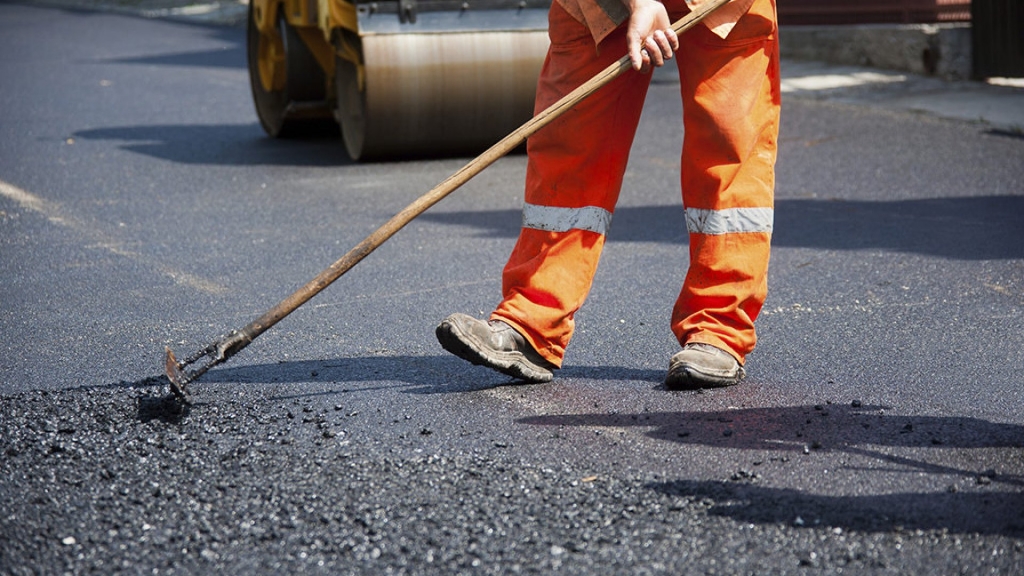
731,96
574,173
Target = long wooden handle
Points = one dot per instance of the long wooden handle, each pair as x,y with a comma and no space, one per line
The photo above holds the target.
449,185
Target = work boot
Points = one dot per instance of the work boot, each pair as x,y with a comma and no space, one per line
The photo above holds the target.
700,365
494,344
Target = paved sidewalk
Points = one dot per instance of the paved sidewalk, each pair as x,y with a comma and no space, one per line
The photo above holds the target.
999,106
998,103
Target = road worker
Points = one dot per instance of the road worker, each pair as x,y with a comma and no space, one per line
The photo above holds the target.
729,84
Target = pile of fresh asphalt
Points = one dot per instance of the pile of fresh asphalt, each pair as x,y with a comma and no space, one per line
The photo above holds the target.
124,479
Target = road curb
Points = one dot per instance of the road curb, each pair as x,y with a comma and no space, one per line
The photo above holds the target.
940,50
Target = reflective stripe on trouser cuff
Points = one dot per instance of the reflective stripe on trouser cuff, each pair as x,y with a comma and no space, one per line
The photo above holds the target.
552,219
729,221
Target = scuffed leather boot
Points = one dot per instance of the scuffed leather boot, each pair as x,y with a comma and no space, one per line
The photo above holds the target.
700,365
494,344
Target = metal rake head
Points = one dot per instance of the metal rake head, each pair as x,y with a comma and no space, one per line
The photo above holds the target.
179,374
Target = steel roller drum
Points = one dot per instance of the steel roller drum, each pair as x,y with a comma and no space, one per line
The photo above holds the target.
435,87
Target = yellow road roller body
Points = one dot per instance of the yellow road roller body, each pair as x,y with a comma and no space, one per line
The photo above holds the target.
400,77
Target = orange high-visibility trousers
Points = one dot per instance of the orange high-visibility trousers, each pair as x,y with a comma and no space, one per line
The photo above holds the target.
731,97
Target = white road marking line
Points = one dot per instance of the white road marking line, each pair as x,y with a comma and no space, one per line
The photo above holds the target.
97,239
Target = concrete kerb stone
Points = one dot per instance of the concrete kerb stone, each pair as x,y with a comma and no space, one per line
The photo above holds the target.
998,107
920,67
942,50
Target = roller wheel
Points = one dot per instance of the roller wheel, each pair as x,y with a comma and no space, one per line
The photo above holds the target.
282,71
351,112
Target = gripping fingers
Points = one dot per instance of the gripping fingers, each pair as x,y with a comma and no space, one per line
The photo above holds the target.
662,45
654,54
658,48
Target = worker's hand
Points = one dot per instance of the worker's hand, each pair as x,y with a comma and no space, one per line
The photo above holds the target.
649,34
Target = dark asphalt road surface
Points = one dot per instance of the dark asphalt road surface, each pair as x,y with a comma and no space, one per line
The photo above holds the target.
881,429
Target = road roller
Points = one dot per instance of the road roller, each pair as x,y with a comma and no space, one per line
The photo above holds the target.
400,77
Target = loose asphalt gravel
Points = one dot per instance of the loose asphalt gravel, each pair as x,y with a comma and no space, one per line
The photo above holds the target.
236,485
393,459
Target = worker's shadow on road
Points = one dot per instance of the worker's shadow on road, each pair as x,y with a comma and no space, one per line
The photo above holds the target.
408,374
869,440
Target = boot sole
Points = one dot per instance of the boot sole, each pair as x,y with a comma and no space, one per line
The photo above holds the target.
513,364
689,378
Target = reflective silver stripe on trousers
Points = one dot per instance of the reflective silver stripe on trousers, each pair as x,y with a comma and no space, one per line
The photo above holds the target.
552,219
729,221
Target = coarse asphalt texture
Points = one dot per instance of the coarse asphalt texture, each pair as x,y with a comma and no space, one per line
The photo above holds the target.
235,491
350,477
